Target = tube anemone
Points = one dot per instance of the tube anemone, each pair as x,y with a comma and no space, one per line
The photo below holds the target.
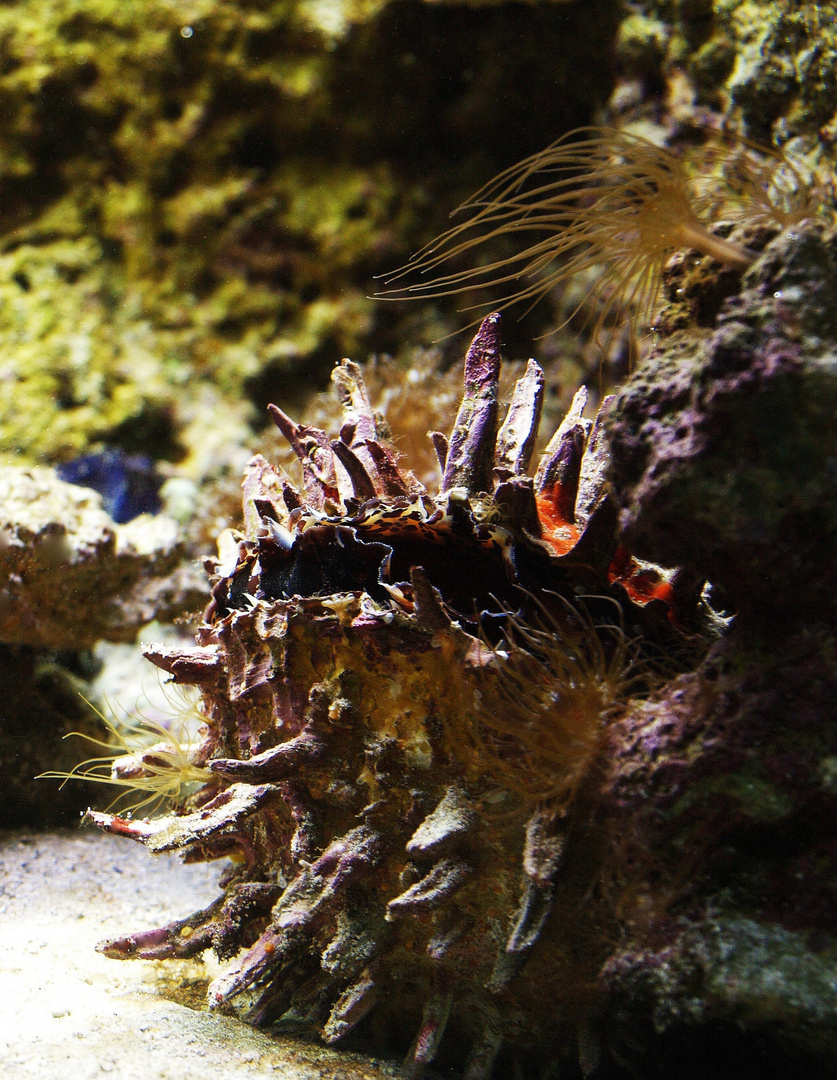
609,204
151,762
555,680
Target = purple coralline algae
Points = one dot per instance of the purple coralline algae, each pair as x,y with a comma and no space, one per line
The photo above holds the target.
724,460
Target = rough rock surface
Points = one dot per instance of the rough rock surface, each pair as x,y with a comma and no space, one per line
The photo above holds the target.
723,444
722,785
766,65
70,577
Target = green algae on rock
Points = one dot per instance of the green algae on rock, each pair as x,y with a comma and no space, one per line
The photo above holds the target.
767,65
194,197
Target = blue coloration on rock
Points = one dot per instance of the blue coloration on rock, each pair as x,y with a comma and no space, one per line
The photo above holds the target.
128,483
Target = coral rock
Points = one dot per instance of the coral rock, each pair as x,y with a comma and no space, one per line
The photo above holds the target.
718,792
70,577
722,446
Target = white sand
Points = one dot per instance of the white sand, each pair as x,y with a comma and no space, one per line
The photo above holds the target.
69,1013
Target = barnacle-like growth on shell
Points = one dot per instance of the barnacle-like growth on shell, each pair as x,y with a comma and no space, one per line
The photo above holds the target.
383,881
610,204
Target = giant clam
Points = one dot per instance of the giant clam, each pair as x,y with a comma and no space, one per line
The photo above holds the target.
405,698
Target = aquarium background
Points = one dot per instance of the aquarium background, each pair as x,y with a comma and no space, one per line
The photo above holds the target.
199,201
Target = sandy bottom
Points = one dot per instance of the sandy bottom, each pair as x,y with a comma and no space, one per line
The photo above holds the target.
70,1013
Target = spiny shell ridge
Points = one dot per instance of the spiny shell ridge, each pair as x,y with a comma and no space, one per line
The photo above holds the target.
381,877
